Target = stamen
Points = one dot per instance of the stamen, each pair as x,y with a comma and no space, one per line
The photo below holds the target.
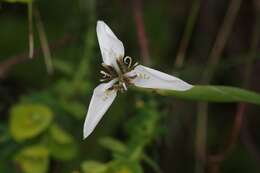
128,61
125,65
124,85
105,74
121,65
136,64
109,69
104,80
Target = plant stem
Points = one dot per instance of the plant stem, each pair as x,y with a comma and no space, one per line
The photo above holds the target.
142,38
6,65
30,28
44,42
187,33
221,40
201,137
213,61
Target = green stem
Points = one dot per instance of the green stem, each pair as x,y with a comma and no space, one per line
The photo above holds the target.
30,27
187,33
44,42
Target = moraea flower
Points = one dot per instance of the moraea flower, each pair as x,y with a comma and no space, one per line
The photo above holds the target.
119,73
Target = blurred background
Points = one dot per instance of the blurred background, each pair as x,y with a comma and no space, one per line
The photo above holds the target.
44,99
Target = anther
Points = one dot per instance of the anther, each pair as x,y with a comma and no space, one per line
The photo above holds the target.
103,80
109,69
128,61
136,64
124,85
105,75
121,65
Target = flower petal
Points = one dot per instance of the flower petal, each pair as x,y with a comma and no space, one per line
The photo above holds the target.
150,78
99,104
110,46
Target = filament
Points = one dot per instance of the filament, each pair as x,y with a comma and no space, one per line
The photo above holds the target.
128,61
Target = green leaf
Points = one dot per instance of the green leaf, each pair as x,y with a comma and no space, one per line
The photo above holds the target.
61,144
93,167
74,108
113,144
124,166
211,93
151,163
33,159
29,120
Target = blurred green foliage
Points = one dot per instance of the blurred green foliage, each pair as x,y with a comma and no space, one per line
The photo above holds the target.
41,115
28,120
22,1
38,121
128,155
33,159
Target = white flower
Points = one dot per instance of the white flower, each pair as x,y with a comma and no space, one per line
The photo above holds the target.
119,73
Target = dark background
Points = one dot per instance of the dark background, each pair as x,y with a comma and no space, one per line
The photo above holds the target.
201,41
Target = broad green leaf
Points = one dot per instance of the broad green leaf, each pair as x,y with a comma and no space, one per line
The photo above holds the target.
61,144
33,159
211,93
29,120
93,167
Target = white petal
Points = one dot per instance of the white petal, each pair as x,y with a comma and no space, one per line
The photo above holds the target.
150,78
110,46
100,102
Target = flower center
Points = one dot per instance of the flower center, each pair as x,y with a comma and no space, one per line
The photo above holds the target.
109,73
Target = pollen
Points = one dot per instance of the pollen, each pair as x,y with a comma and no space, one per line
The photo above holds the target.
144,76
109,73
106,96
